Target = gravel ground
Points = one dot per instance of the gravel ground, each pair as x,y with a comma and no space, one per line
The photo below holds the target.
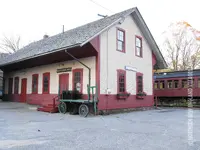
23,128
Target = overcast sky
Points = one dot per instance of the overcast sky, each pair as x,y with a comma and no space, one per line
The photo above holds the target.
31,19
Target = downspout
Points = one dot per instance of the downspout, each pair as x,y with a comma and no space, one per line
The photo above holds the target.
89,69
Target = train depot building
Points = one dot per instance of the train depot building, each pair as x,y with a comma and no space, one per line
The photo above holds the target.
116,55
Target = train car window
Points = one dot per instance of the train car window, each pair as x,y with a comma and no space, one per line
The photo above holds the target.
184,83
169,84
156,85
199,83
162,84
191,83
175,83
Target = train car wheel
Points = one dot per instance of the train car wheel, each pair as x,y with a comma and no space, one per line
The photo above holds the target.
83,110
62,107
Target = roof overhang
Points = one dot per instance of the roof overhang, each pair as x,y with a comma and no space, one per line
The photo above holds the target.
35,56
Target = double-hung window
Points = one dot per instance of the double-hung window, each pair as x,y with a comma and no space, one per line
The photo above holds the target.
139,82
35,83
138,46
121,75
46,83
121,40
16,85
10,85
78,80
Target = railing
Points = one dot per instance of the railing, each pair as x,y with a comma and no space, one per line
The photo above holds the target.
54,101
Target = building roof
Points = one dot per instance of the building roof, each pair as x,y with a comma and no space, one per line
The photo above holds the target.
80,36
2,55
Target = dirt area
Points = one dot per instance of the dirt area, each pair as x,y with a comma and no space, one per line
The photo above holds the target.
24,128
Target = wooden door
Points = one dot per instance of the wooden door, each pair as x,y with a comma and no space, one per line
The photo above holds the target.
23,90
63,82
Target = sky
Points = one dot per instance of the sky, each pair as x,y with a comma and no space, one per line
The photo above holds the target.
31,19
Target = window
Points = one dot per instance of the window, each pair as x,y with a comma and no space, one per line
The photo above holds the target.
199,83
16,85
184,83
78,80
139,82
46,83
156,85
162,84
10,85
169,84
190,83
121,76
121,40
138,46
176,82
35,83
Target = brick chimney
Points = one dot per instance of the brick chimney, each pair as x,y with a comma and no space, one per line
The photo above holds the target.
45,36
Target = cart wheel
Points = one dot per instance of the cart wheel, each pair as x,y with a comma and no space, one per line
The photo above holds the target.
62,107
83,110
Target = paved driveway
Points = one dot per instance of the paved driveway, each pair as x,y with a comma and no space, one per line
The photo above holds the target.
23,128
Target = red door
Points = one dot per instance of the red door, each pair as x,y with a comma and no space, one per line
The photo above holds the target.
23,90
63,82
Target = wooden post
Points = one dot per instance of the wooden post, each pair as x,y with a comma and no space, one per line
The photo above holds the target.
54,103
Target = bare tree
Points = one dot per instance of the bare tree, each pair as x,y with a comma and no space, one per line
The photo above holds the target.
10,45
181,47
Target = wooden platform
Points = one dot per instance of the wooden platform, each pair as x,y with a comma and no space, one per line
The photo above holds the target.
76,100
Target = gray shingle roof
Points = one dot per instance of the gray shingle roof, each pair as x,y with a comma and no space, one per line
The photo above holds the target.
81,35
67,39
2,55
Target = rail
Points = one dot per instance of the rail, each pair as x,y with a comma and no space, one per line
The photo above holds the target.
54,101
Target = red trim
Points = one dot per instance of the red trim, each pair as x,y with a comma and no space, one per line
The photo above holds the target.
131,102
118,72
120,29
36,99
47,74
96,44
73,72
35,75
139,74
153,63
139,37
10,85
16,85
153,60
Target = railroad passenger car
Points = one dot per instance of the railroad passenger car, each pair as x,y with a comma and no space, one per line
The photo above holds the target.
177,85
1,84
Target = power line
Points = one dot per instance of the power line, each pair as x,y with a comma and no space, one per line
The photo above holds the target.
101,6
